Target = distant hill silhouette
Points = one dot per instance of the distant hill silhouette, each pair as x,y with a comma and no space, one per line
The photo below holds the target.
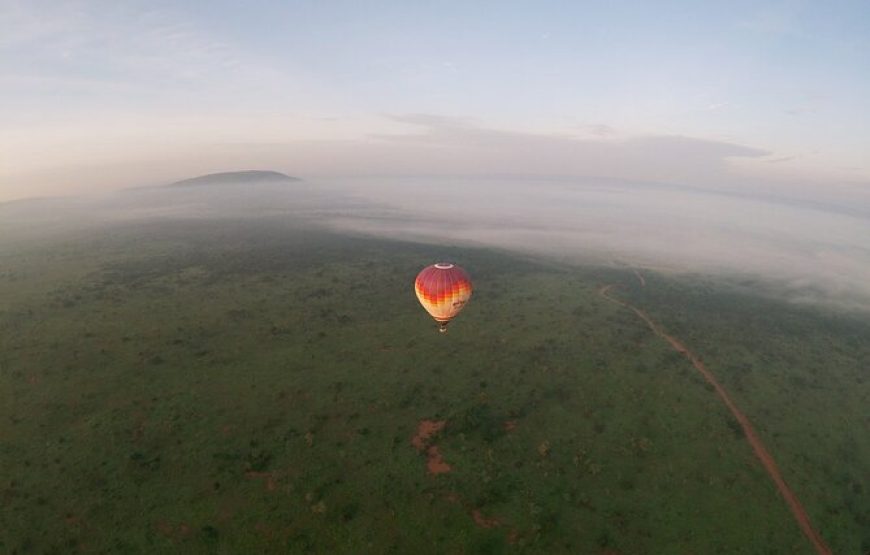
228,178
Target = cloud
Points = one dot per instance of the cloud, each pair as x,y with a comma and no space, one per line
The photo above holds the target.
463,147
430,145
599,130
110,58
780,159
799,111
806,249
433,121
717,106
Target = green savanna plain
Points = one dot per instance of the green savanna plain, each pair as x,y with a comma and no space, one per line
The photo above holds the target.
236,386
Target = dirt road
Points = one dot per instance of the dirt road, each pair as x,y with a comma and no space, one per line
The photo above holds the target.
761,451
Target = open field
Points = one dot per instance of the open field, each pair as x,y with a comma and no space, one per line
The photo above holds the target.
237,386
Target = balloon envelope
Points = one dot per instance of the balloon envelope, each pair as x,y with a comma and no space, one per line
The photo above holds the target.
443,289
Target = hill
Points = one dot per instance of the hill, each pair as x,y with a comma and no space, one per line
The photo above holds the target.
239,177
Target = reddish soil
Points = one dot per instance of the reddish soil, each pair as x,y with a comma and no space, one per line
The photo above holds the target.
435,463
421,442
513,535
483,521
761,451
510,425
425,430
165,528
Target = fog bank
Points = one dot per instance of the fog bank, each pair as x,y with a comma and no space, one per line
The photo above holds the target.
808,248
815,250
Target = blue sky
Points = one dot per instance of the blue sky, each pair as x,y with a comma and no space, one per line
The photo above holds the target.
97,95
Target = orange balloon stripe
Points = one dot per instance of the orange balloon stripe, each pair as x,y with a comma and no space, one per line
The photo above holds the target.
445,298
461,288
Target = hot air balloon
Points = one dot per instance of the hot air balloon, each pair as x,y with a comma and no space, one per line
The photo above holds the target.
443,289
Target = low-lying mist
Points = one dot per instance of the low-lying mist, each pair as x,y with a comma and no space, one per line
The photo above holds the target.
812,251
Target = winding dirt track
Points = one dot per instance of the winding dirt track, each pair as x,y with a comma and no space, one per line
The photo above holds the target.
761,451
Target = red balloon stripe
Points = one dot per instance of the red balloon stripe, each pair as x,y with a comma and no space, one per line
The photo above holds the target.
436,284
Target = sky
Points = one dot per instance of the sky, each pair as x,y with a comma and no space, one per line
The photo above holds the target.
97,96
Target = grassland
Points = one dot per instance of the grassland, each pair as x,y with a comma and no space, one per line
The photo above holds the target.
242,387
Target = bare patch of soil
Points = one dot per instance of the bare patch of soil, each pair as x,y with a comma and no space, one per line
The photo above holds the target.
435,462
483,521
425,430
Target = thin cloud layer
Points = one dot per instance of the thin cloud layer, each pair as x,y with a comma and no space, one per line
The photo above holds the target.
436,145
808,249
